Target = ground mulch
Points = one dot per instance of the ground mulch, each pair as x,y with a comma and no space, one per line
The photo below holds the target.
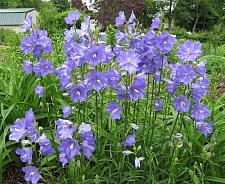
13,175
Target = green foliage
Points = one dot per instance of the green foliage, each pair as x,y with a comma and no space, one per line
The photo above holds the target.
214,64
5,35
221,50
54,22
62,5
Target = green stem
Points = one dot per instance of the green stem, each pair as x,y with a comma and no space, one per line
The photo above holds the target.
174,126
126,104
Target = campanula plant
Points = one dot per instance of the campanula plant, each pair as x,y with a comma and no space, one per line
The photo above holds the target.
116,96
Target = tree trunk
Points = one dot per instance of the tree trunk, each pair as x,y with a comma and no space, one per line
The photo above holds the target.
170,14
196,19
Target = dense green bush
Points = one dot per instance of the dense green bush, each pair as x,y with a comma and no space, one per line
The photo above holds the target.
214,64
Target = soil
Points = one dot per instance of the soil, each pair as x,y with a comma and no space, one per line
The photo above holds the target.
13,175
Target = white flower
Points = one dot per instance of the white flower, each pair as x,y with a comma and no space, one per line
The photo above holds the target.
137,161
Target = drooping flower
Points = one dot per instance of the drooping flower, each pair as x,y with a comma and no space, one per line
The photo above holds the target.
64,129
134,126
66,111
39,90
27,24
27,66
72,17
130,140
25,154
97,80
181,103
171,86
31,174
200,112
128,61
189,51
43,67
18,130
158,105
137,89
127,152
33,135
88,148
45,145
205,128
120,19
79,93
114,109
137,161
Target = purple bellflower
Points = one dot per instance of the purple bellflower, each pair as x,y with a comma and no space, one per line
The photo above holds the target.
97,80
39,90
72,17
200,112
18,130
25,154
158,104
65,129
128,61
66,111
43,67
181,103
205,128
113,78
130,140
114,109
78,93
95,54
120,19
31,174
156,22
45,145
88,148
27,24
27,66
185,74
189,51
137,89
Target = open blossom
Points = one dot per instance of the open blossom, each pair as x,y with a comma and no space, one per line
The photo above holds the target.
66,111
120,19
18,130
78,93
88,148
128,61
137,89
114,109
31,174
200,112
181,103
205,128
68,149
36,43
43,67
39,90
64,128
199,89
130,140
113,78
97,80
27,66
27,24
185,73
166,42
72,17
189,51
25,154
84,128
96,54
